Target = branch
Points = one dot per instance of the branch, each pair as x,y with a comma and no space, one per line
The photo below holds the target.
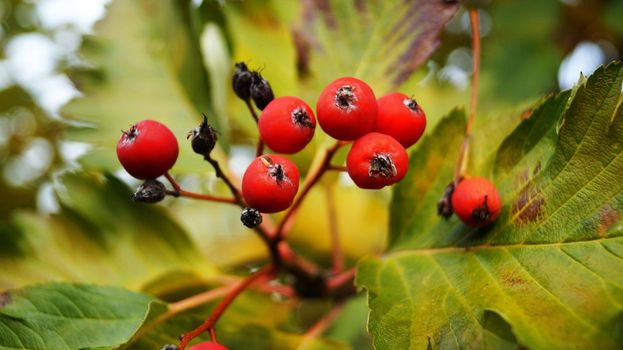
208,324
321,326
322,161
462,160
336,247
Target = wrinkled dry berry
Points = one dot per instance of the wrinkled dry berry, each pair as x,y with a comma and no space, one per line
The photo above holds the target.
241,81
251,217
444,206
151,191
261,92
203,138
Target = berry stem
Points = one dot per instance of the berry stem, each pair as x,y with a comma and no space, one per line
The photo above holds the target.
179,192
220,174
336,248
341,280
259,150
320,165
462,160
341,168
321,326
252,110
209,323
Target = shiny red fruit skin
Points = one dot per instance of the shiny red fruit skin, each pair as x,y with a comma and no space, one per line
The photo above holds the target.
400,117
469,195
207,345
147,150
358,160
349,122
263,190
279,128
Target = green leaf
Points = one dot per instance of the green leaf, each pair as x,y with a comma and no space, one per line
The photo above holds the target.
144,63
381,42
72,316
100,236
549,273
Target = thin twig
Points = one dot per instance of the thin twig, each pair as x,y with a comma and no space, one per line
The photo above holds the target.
222,306
345,278
336,246
205,197
321,326
321,163
220,174
337,168
462,160
259,150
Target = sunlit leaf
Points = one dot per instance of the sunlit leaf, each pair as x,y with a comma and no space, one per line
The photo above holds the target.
547,274
100,236
71,316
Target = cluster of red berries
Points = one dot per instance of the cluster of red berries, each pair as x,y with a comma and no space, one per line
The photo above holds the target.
346,110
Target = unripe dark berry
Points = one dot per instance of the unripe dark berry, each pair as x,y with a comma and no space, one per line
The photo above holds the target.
241,81
270,183
203,138
261,92
251,217
287,124
476,201
347,109
207,345
147,150
401,118
376,160
150,191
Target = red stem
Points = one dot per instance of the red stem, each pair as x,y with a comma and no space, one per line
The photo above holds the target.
208,324
462,160
312,178
336,247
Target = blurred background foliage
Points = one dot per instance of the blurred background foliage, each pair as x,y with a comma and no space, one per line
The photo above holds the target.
63,192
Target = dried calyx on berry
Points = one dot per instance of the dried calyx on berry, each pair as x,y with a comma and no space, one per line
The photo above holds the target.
251,217
444,205
241,81
261,92
381,165
151,191
203,138
169,347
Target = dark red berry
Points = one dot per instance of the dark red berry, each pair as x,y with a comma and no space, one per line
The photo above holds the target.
147,150
376,160
287,124
270,183
401,118
151,191
347,109
207,345
241,81
476,201
261,92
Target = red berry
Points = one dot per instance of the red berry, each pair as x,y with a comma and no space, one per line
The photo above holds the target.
401,118
149,149
476,201
347,109
377,160
208,345
287,124
270,183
